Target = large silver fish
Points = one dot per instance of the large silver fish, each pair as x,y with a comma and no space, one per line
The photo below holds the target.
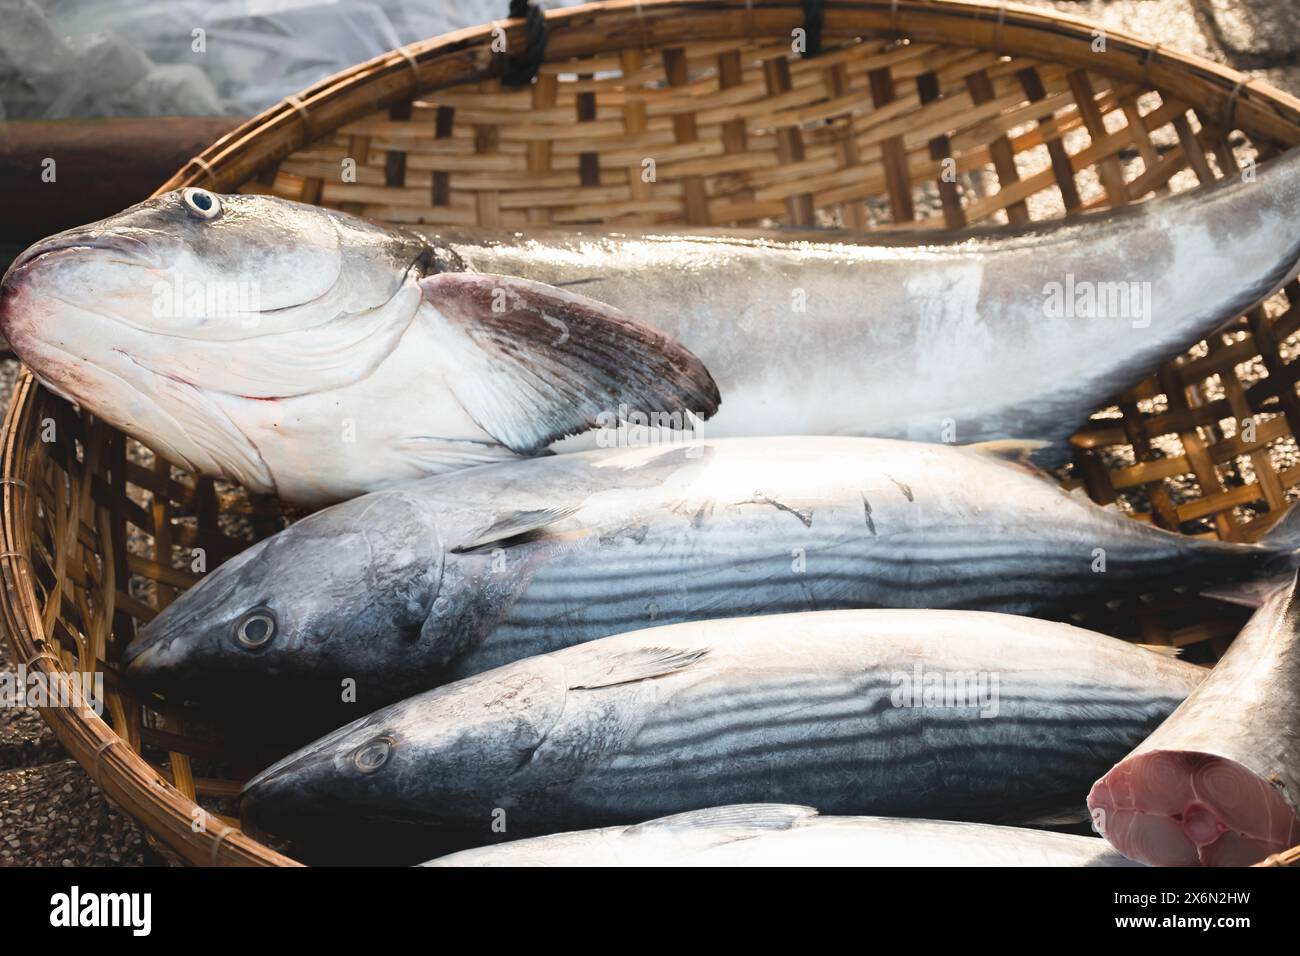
935,338
775,835
1218,783
404,589
372,355
311,354
954,715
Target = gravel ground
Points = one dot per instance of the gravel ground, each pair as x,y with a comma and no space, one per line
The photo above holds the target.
25,740
52,814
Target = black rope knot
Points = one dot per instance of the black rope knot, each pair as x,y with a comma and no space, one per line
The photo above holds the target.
814,14
520,70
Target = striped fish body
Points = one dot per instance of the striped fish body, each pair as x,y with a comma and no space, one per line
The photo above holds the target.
764,526
958,715
777,835
406,589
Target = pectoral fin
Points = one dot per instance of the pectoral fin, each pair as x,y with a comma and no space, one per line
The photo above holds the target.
512,524
1252,594
1047,816
533,363
1164,650
627,667
753,816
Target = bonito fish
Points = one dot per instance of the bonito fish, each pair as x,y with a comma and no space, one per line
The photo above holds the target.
1218,783
311,354
372,354
776,835
954,715
404,589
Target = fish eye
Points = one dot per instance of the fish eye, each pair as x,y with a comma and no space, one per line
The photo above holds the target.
372,755
201,203
256,628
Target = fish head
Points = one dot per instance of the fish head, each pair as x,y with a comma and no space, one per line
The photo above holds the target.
271,256
428,761
337,596
160,317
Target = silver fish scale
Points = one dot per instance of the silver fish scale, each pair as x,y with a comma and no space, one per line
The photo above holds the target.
741,562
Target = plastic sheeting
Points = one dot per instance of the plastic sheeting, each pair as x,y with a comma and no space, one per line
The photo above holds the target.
91,58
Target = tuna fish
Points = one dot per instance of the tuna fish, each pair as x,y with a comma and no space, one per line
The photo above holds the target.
404,589
768,834
952,715
1218,783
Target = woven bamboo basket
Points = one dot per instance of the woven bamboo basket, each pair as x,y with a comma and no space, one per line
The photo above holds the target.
745,132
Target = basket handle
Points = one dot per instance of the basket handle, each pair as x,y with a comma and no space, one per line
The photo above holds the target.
520,70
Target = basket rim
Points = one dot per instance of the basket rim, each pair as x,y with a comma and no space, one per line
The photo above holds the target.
463,56
407,71
123,775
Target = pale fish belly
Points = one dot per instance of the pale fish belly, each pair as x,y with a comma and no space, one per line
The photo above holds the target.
400,422
769,834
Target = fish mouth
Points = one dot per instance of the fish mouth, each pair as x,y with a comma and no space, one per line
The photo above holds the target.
145,648
255,798
179,620
318,753
148,661
265,781
136,657
133,248
277,795
148,666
